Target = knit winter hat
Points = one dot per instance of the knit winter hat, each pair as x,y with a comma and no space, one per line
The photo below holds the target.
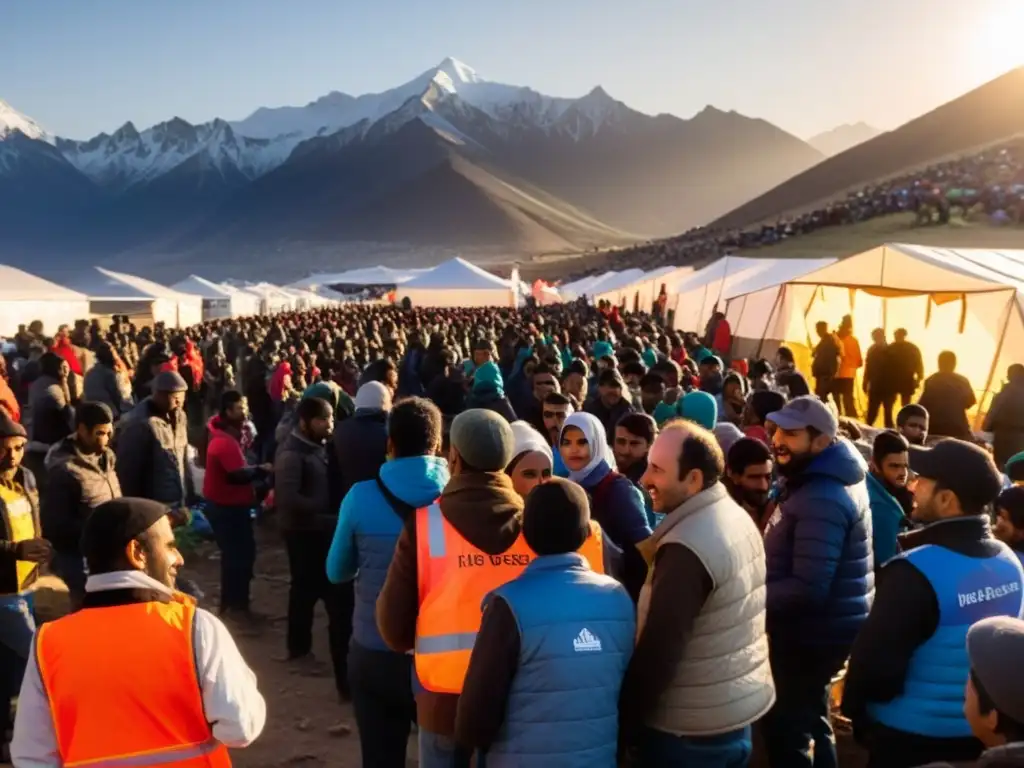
556,518
9,427
700,408
993,643
483,439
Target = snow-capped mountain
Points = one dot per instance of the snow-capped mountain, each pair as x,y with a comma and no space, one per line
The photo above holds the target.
12,120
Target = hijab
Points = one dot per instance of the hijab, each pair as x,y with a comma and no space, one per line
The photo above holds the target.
527,440
593,431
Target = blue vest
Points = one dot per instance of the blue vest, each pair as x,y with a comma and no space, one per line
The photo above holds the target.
576,631
968,589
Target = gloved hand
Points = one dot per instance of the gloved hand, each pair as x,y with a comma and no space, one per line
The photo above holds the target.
34,550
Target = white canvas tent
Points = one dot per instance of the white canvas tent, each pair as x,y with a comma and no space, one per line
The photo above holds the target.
271,298
219,301
25,298
640,293
457,283
968,301
379,275
145,302
573,290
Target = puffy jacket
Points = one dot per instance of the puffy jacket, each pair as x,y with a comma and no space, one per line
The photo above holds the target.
360,445
576,638
53,418
152,460
967,589
302,487
78,483
818,543
887,520
368,529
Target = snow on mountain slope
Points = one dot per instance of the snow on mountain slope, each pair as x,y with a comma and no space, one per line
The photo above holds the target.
12,120
129,157
338,110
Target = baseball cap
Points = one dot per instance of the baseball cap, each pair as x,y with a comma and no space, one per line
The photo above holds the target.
806,411
965,469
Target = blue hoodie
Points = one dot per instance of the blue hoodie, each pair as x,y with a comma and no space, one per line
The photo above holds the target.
887,520
820,564
368,529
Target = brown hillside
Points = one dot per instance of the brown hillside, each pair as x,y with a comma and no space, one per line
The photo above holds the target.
987,114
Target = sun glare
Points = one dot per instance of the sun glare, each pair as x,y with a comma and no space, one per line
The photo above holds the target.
1000,42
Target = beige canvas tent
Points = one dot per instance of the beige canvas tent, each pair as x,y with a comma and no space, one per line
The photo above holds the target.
968,301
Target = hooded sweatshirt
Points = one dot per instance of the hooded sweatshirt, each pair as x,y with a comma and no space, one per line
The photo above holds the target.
368,528
485,510
489,392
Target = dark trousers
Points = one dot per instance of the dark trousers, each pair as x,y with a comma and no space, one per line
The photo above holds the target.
385,709
307,563
666,750
889,748
17,625
842,392
803,683
876,402
233,530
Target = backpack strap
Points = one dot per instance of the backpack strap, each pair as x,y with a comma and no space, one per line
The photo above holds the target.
404,511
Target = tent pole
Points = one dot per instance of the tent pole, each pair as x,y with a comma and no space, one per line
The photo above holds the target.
771,316
999,351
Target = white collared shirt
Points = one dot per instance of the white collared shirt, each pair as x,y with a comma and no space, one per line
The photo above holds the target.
232,702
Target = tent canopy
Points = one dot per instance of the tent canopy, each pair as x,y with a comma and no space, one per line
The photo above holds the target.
379,275
16,285
965,301
25,298
457,274
202,287
101,284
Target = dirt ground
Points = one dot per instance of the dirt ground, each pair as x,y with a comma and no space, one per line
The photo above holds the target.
306,725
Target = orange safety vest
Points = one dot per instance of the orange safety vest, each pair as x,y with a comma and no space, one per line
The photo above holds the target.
454,577
123,690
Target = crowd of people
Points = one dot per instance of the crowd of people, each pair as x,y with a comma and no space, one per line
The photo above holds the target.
988,183
558,536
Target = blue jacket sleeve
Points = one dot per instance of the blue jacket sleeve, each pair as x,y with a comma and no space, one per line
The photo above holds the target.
341,558
631,514
819,531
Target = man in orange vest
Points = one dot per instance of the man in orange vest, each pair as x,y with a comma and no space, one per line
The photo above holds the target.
469,541
140,675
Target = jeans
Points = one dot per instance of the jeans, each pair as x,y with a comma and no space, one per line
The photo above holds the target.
665,750
233,530
17,626
382,698
437,751
803,684
307,563
70,568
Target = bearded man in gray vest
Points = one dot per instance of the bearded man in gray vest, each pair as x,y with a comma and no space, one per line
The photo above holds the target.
700,675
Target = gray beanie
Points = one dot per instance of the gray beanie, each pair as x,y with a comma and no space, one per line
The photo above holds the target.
169,381
483,439
990,643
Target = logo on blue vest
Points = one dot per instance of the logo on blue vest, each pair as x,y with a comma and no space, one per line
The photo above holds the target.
974,598
586,642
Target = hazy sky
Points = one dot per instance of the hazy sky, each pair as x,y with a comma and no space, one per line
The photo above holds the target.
84,66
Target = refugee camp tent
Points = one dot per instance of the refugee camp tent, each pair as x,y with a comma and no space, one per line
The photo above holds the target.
379,275
640,292
577,288
25,298
271,298
968,301
697,294
457,283
143,301
219,301
307,299
608,286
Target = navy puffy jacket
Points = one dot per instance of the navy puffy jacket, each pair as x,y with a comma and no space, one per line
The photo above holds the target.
820,565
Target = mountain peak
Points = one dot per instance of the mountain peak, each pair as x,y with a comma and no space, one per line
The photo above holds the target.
458,71
12,120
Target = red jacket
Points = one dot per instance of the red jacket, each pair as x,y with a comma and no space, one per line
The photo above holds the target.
223,457
8,401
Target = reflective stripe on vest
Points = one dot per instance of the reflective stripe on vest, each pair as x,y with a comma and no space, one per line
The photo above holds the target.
454,577
148,687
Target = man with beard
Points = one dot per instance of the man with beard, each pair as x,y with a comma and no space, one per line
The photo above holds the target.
177,693
652,392
891,501
634,435
820,577
699,676
909,665
544,383
1009,525
711,379
610,405
748,478
556,408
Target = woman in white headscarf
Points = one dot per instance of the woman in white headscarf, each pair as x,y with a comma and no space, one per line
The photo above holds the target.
532,459
615,502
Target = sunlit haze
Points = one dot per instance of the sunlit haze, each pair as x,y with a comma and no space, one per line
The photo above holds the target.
79,68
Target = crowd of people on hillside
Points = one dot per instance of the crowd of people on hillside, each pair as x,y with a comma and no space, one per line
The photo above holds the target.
559,536
988,183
